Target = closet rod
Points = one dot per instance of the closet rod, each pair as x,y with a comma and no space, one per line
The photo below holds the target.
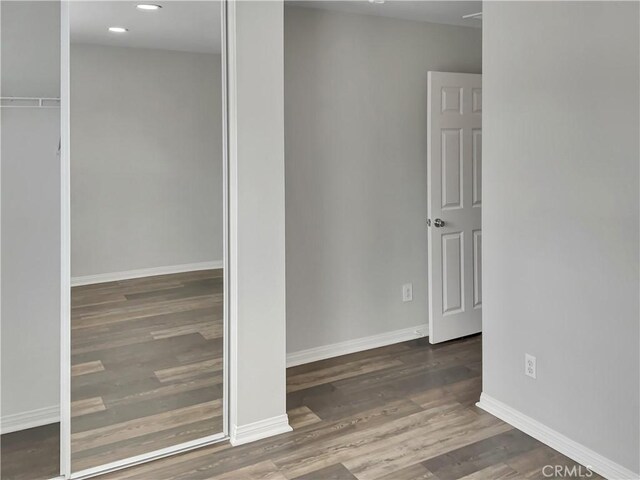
32,102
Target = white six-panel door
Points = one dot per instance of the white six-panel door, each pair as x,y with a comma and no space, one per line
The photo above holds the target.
455,202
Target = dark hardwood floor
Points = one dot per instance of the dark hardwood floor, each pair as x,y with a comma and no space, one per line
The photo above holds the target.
146,365
32,454
402,412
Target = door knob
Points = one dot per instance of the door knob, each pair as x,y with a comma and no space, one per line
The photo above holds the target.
438,223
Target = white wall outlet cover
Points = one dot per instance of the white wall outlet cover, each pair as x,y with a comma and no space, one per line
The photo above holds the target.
407,292
530,365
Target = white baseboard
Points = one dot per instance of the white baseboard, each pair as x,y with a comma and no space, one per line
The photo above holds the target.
555,440
357,345
144,272
30,419
241,434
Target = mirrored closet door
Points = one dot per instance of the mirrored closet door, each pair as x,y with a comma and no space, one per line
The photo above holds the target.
146,229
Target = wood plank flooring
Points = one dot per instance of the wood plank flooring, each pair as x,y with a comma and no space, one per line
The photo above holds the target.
32,454
146,370
402,412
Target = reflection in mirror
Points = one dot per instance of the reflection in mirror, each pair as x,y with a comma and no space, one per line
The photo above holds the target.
30,349
146,228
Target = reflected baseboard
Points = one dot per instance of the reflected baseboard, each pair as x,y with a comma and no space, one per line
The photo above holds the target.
30,419
144,272
251,432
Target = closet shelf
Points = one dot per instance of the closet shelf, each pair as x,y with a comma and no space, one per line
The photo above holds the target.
29,102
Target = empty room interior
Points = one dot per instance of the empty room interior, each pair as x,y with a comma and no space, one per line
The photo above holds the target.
306,239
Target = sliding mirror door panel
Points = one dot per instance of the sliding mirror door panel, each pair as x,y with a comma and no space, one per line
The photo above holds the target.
147,223
30,173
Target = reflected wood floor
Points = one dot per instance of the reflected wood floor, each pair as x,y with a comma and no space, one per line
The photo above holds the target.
146,365
401,412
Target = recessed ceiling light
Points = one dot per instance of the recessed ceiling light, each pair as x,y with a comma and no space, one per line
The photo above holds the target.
148,7
118,29
376,1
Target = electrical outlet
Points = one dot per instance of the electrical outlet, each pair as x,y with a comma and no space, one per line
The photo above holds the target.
407,292
530,365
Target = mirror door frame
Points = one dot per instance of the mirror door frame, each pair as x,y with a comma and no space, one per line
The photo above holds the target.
65,270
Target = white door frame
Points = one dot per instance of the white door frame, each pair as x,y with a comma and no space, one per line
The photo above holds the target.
65,244
229,327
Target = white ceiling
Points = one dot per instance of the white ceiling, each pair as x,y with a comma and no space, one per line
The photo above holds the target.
191,26
447,12
194,26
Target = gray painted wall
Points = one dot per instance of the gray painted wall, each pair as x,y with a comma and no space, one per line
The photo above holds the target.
257,213
356,169
30,209
146,159
30,49
560,217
